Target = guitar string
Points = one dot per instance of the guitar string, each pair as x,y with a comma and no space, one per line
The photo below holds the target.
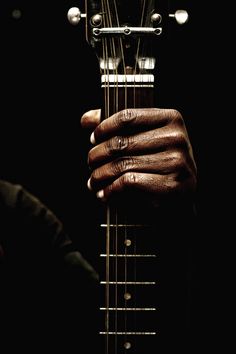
123,65
115,101
107,271
110,55
116,107
117,50
137,70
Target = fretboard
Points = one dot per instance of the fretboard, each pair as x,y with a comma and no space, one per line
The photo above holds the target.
129,284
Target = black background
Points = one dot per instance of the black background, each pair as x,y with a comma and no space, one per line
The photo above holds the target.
49,77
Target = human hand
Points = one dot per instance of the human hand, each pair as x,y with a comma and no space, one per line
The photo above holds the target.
140,150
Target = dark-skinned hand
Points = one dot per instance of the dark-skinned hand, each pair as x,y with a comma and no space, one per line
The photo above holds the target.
146,151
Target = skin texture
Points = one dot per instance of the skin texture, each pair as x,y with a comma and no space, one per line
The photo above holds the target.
140,150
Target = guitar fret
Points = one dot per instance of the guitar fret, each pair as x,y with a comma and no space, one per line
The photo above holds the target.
129,282
128,309
127,85
128,255
124,225
130,333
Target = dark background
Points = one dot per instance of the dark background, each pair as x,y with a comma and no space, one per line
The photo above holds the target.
49,77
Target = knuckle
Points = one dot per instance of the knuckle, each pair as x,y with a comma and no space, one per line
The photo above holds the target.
177,119
129,179
181,138
117,144
176,116
122,165
125,117
173,183
178,131
125,182
178,160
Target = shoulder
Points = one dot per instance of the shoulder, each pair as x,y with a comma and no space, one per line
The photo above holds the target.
15,198
9,193
25,218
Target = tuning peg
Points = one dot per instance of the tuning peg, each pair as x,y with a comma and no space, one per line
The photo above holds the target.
74,15
181,16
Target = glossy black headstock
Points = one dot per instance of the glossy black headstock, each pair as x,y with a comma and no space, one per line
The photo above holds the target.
123,33
127,34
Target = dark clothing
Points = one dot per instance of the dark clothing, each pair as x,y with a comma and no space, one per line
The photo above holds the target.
31,234
47,287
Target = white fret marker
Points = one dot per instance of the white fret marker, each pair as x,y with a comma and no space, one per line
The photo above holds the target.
127,296
127,345
128,242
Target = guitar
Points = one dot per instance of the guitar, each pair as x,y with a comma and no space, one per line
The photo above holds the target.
126,37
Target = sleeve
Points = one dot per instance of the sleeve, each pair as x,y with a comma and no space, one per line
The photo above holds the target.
47,280
36,234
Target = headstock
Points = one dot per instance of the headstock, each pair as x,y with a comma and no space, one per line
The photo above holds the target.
124,33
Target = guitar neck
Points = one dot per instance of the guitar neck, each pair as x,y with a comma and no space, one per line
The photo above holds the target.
128,282
128,305
129,285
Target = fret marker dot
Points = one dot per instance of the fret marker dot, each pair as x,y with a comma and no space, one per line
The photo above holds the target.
16,14
128,243
127,345
127,296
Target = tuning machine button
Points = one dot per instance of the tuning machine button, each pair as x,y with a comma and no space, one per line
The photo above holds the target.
74,15
181,16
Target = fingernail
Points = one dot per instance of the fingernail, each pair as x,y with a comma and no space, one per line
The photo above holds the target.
92,138
100,194
89,184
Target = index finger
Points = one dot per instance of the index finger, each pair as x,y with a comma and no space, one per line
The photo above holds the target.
132,120
91,119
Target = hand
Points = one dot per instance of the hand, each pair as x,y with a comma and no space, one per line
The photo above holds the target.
141,150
